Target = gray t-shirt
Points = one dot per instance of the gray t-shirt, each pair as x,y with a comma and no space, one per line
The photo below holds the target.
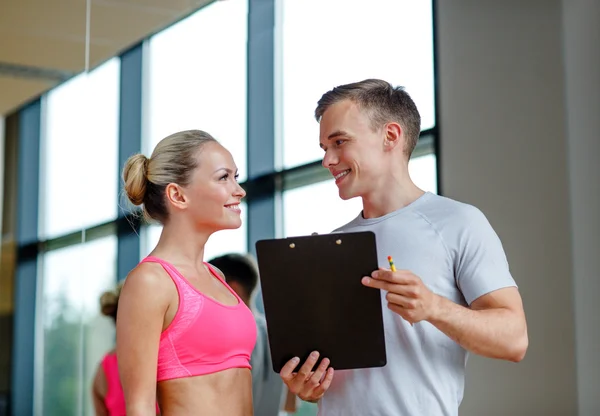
454,250
267,386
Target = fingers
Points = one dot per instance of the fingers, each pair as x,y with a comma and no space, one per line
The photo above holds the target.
399,277
405,313
307,383
376,284
320,390
286,371
404,283
405,302
314,380
296,385
308,365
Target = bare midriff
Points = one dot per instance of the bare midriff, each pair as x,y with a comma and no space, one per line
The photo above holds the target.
227,392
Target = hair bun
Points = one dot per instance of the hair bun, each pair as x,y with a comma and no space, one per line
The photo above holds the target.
135,176
108,303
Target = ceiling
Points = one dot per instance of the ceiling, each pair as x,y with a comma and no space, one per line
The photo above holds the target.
43,43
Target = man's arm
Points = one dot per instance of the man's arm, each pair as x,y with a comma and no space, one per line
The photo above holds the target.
494,326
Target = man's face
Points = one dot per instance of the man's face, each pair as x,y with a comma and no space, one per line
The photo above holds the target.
354,152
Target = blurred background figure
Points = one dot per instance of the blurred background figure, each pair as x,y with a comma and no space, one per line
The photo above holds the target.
107,393
268,392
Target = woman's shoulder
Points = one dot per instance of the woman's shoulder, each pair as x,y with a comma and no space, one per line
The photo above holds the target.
147,279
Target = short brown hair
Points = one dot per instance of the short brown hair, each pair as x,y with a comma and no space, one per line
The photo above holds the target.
239,268
383,103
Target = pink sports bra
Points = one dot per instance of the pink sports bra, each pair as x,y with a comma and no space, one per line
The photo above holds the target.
114,400
205,335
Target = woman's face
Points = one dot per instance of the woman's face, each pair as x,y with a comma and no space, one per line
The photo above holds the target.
213,194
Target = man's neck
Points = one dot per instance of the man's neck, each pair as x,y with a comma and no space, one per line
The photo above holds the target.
378,204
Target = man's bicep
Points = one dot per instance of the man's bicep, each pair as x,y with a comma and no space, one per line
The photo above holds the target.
505,298
481,265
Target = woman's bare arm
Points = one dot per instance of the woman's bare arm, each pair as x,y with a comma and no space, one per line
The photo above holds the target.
98,392
142,305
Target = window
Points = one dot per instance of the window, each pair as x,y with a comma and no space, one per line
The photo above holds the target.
348,42
423,172
79,175
74,334
316,208
197,78
221,242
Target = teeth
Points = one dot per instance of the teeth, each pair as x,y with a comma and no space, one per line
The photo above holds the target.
339,175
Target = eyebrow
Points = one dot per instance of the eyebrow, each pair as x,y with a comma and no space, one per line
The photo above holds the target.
335,135
231,172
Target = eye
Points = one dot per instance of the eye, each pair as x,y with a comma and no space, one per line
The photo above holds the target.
237,176
224,177
339,142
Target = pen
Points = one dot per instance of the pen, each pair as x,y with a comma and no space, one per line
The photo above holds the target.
391,261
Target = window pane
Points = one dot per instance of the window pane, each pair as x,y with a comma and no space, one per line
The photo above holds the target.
388,39
74,335
221,242
318,207
197,78
423,172
80,152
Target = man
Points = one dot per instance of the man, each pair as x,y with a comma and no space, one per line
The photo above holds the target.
241,273
453,292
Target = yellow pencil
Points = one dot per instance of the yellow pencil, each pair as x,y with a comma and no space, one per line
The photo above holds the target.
391,261
393,268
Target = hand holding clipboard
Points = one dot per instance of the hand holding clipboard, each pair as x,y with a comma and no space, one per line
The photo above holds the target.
314,301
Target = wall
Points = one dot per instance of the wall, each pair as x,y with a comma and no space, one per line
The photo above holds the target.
505,132
581,27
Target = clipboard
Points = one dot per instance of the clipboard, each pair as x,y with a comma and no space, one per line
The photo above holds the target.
314,299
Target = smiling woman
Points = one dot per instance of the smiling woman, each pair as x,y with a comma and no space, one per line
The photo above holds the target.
189,185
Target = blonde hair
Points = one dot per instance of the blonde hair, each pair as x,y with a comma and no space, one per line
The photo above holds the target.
173,161
109,301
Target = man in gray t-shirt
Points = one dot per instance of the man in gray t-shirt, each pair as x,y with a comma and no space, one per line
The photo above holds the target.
452,293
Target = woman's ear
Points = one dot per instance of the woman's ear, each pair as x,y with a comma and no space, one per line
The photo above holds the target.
176,196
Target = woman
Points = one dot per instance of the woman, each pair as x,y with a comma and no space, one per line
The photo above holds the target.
183,335
107,393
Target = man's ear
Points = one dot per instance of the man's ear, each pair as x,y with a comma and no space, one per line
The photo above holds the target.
393,136
175,196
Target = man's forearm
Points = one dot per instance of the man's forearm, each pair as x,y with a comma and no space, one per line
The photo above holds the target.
495,333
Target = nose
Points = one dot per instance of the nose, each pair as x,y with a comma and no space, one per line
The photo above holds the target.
239,191
330,159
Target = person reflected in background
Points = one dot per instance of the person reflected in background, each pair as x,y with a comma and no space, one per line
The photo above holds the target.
268,392
183,334
107,393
